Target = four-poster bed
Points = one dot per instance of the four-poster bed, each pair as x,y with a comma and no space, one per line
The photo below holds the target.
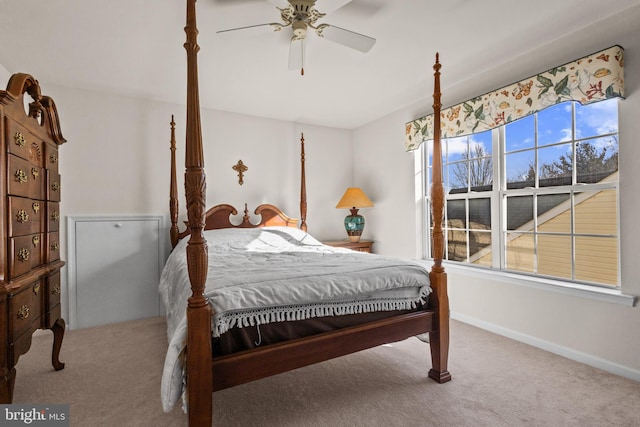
207,371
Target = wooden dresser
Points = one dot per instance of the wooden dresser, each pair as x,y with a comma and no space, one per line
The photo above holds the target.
361,246
29,224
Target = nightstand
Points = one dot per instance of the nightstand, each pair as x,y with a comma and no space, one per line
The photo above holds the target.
361,246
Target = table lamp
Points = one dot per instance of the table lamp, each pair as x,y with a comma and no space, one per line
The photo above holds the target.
354,199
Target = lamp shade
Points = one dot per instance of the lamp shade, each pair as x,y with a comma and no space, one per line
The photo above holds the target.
354,197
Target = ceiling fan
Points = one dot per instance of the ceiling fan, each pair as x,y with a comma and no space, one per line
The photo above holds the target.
300,15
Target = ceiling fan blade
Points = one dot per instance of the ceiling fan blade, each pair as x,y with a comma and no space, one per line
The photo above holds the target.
348,38
328,6
259,27
296,54
279,3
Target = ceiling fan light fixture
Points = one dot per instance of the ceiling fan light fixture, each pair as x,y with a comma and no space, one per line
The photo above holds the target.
299,29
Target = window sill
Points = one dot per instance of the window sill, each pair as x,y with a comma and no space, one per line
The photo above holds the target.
593,292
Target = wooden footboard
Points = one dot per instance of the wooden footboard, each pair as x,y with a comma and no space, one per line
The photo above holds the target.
262,362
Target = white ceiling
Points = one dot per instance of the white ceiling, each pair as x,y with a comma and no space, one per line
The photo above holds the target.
134,47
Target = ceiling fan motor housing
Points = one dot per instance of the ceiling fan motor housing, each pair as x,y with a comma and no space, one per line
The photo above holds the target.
302,6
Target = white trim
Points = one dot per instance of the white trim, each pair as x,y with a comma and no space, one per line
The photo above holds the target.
569,288
163,252
569,353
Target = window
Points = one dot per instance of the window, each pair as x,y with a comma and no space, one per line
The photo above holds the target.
536,196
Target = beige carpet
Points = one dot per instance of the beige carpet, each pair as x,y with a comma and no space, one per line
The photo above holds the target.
112,378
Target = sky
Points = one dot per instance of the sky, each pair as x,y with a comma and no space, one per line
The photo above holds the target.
555,135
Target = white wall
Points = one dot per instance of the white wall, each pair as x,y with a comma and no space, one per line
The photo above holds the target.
117,160
601,333
4,76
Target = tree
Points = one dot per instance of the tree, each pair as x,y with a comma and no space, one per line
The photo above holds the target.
589,161
476,169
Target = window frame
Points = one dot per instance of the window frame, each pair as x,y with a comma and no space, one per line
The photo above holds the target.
498,195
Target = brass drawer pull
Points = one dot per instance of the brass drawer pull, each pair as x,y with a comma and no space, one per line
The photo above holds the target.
53,159
56,290
22,216
23,312
35,240
36,207
55,216
35,172
21,176
55,186
54,246
23,255
36,288
19,138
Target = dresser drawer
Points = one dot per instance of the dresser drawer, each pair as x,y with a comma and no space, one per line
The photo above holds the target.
25,253
52,295
53,186
25,310
25,216
51,158
53,247
21,253
53,216
22,143
24,178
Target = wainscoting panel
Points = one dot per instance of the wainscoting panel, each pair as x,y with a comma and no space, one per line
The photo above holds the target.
114,266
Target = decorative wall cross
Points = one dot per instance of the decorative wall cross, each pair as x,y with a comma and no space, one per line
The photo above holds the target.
241,169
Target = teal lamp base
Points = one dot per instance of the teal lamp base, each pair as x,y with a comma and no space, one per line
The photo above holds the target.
354,224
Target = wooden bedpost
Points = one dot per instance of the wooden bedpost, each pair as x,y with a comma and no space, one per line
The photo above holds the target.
173,192
303,188
199,353
439,338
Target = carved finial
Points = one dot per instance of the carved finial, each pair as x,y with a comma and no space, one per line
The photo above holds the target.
245,218
241,169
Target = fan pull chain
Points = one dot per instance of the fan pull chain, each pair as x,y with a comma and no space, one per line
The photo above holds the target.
302,71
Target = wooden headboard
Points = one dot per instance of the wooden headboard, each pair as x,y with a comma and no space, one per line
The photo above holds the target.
219,216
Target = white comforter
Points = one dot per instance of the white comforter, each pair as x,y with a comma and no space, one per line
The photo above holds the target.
271,274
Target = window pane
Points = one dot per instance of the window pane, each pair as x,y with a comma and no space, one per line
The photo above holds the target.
480,144
596,159
520,212
480,252
597,119
520,134
456,214
481,174
597,260
458,174
520,169
554,213
596,212
520,252
480,214
457,149
555,124
457,245
554,256
555,165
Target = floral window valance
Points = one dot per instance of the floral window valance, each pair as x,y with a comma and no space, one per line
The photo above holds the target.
593,78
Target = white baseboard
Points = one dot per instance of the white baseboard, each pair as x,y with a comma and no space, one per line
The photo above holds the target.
569,353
